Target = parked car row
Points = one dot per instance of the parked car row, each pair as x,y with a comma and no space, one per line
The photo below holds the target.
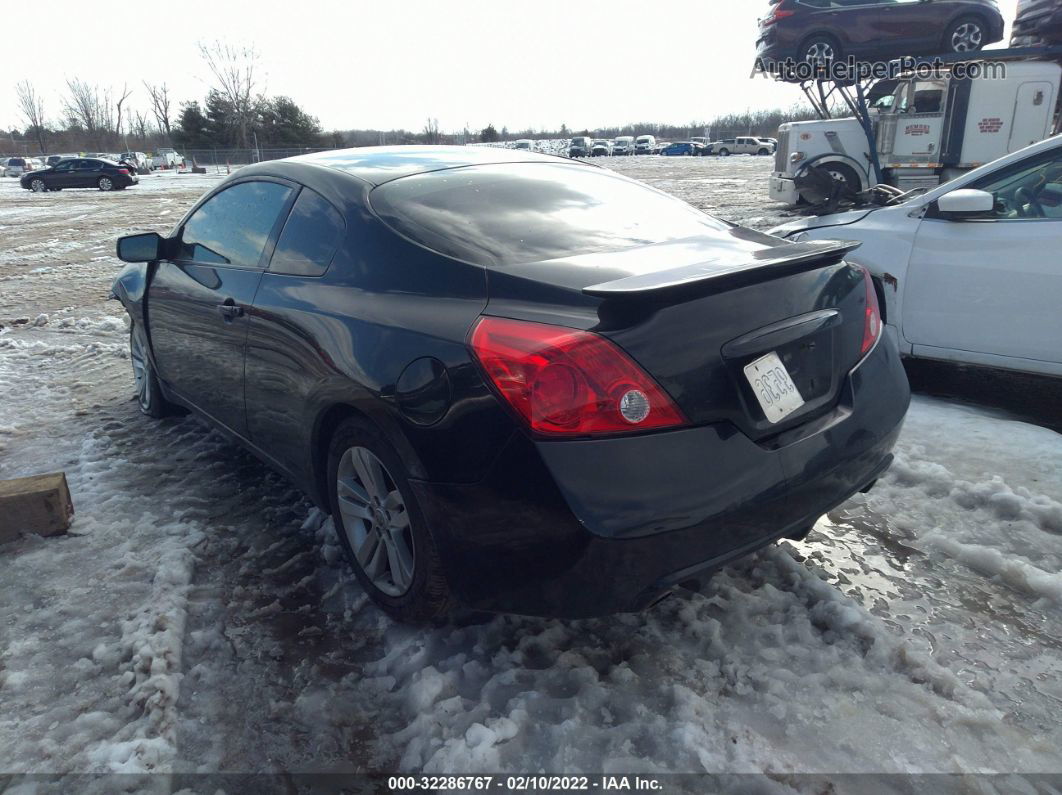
583,146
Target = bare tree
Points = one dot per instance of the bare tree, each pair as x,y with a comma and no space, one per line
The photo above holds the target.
160,105
83,107
140,123
126,91
235,73
31,104
431,132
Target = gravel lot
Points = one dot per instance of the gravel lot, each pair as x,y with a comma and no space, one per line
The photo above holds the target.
199,617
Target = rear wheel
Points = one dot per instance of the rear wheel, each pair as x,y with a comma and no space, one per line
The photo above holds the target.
38,186
820,51
965,35
105,183
381,527
724,153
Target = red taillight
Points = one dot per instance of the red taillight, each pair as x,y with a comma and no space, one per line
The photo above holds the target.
124,171
776,14
871,315
564,382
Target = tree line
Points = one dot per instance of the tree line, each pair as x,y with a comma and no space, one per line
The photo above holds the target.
237,113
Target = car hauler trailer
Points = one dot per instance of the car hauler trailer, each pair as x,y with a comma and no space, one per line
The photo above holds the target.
925,127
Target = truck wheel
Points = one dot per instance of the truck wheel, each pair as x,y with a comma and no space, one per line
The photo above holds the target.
843,174
724,153
764,152
965,35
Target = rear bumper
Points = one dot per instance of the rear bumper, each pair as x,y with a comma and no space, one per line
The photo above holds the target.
588,528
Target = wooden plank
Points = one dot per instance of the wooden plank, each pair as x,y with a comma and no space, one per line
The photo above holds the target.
38,504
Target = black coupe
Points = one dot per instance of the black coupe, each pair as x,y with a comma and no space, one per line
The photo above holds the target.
517,382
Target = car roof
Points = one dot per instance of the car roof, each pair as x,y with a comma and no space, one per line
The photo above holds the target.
379,164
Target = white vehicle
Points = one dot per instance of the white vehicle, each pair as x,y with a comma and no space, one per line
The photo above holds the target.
14,166
138,159
928,131
524,144
644,145
623,145
968,272
166,158
602,147
740,146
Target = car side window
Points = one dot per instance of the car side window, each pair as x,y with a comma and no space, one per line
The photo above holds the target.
1028,190
65,165
232,227
310,238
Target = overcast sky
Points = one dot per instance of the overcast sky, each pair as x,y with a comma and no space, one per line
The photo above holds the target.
359,64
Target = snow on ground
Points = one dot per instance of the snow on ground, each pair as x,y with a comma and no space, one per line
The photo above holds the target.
199,617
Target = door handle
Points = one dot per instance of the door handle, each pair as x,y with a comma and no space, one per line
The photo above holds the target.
229,310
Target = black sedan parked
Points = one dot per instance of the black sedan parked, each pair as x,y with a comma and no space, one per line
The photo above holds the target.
517,382
82,172
821,31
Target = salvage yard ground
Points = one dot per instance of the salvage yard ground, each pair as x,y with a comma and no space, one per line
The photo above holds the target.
200,618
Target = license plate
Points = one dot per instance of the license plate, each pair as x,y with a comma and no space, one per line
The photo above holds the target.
774,389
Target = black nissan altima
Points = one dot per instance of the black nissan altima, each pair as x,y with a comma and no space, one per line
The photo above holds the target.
516,382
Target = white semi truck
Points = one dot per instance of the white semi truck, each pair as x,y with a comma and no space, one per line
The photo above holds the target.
927,130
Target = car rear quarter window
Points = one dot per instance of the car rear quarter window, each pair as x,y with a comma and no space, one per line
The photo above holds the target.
310,237
508,214
232,227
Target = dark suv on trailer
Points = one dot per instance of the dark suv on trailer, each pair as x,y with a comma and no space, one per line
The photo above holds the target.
832,30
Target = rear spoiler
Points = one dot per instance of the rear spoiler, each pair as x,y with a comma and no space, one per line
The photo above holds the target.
764,264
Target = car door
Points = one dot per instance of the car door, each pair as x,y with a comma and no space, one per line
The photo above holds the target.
198,302
858,24
284,363
908,27
990,290
62,176
86,173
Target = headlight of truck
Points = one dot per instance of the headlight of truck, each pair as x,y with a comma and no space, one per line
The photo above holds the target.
796,157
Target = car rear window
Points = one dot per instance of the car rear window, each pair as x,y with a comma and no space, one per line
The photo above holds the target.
508,214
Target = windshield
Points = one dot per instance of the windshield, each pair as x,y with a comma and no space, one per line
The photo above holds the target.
508,214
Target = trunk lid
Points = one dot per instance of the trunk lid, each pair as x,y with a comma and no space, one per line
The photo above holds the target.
694,313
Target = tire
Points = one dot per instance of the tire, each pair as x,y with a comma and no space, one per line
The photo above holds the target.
966,34
382,524
724,153
38,186
843,174
820,49
763,152
148,393
105,183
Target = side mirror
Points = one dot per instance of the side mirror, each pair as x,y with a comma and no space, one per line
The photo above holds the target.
962,204
145,247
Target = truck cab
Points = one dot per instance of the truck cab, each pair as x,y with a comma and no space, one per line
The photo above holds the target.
928,130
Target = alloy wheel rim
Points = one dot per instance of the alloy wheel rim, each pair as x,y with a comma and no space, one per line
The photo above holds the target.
38,186
140,370
820,52
376,521
966,38
105,184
